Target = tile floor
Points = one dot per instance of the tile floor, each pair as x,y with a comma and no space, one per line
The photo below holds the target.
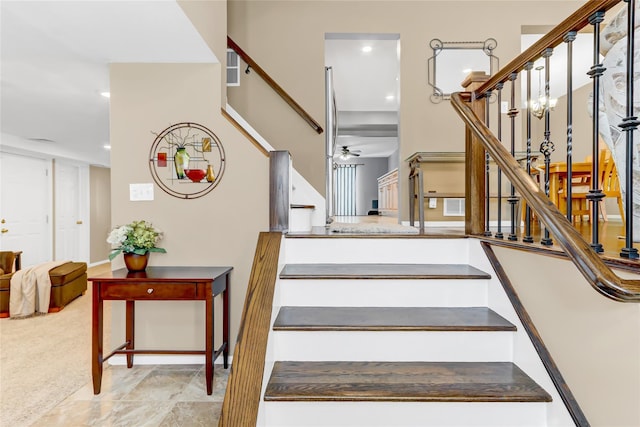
145,395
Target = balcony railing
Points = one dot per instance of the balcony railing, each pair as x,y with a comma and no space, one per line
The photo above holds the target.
476,108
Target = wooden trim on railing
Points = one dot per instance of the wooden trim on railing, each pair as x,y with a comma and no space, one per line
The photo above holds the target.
575,22
475,177
597,273
561,385
242,397
246,133
279,190
275,86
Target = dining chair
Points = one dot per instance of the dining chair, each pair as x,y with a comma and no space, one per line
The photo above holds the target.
608,182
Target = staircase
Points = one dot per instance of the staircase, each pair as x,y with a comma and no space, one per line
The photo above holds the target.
398,332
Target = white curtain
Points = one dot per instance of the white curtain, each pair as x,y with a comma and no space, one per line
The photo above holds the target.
345,190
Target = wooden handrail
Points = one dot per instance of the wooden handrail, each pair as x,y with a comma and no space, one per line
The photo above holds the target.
575,22
242,397
275,86
245,132
593,268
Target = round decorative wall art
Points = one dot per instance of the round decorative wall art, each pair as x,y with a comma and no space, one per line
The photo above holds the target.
186,160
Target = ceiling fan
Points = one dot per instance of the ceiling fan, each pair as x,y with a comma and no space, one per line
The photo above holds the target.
345,153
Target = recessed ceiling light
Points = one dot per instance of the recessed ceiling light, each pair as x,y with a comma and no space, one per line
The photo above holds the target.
106,94
107,146
367,49
390,97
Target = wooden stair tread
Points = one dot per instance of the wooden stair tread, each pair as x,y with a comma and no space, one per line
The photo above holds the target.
390,319
402,381
381,271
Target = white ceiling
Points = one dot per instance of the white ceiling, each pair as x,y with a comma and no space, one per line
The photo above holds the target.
55,58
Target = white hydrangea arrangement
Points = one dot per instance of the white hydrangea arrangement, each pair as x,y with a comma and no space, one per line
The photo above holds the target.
139,237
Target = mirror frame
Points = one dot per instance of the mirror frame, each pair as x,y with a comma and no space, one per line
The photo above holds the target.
438,47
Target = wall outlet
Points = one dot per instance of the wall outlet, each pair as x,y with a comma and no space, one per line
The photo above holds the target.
433,203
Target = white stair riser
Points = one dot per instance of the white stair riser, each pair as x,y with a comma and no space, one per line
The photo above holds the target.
383,293
401,346
404,414
300,220
404,251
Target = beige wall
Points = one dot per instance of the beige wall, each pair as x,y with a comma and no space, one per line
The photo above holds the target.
287,39
594,340
99,212
220,228
210,19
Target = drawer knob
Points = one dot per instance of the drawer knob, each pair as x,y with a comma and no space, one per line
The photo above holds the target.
150,290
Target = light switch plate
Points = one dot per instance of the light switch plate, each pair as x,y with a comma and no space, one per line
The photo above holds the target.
139,192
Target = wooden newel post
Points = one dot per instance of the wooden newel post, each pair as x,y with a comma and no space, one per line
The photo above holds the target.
279,190
474,162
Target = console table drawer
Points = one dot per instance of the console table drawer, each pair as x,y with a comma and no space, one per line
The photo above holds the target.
150,291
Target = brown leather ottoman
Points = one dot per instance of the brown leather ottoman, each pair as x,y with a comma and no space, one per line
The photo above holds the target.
5,285
68,281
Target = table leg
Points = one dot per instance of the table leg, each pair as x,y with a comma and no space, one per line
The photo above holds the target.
208,369
225,323
420,200
130,331
412,197
554,186
96,338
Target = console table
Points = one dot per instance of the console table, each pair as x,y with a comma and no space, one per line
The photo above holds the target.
416,178
160,284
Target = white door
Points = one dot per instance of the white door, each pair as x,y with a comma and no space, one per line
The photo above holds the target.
71,208
25,200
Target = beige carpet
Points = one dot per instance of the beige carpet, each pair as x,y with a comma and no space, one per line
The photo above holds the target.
45,359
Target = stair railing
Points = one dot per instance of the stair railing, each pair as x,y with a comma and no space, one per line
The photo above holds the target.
274,85
599,275
592,13
473,106
331,117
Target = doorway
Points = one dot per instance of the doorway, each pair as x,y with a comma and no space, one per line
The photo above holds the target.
366,81
25,200
71,211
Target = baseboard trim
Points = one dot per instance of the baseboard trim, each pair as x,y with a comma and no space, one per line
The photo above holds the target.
163,359
97,263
